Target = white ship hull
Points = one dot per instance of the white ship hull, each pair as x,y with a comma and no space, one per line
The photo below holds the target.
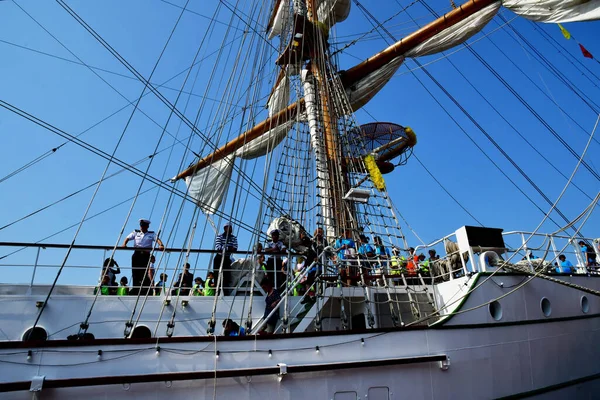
469,355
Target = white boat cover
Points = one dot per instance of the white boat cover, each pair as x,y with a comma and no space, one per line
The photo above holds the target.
365,89
457,33
208,185
556,11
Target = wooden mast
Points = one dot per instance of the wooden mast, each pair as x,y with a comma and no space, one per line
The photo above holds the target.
349,77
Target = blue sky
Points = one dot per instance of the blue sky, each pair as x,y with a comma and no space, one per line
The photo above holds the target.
71,97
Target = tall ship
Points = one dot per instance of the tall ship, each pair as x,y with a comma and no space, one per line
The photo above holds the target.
291,199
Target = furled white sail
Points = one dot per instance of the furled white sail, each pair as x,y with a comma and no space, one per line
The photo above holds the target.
457,33
208,185
280,99
331,12
265,143
556,11
366,88
281,15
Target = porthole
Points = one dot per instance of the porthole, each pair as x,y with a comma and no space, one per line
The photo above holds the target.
36,333
495,310
585,304
141,332
546,307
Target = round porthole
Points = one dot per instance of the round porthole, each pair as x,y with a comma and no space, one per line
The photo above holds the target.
36,333
546,307
496,310
141,332
585,304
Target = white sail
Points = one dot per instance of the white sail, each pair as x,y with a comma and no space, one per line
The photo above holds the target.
209,185
281,15
457,33
366,88
265,143
331,12
556,11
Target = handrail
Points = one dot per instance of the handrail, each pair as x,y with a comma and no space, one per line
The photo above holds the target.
289,289
100,247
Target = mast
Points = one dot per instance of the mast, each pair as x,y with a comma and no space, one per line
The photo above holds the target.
329,173
348,77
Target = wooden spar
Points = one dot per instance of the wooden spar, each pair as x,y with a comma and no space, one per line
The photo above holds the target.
359,71
348,77
280,118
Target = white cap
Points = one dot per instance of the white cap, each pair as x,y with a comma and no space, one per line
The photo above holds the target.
143,220
228,224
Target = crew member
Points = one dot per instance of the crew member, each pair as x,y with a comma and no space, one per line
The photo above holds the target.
143,243
225,244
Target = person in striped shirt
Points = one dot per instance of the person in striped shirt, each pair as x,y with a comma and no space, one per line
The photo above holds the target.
225,243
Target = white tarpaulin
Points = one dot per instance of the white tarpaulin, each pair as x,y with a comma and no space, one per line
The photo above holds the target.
457,33
365,89
208,186
556,11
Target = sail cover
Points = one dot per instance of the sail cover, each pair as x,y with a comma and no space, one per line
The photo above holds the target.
366,88
457,33
556,11
208,185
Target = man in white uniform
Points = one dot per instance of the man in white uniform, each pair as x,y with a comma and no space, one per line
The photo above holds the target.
143,242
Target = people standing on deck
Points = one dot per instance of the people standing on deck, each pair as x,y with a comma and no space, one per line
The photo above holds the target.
143,243
589,255
397,262
271,303
209,284
104,286
564,266
413,262
424,265
197,289
275,262
347,262
185,281
123,290
382,253
162,283
225,243
111,268
366,253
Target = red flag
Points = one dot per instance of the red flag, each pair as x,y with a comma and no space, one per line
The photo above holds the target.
586,53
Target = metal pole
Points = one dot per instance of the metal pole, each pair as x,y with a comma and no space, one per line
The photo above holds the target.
37,257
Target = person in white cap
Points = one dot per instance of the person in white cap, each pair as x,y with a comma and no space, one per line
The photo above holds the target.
143,243
225,243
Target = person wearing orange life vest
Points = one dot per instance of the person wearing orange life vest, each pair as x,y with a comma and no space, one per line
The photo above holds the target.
412,266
